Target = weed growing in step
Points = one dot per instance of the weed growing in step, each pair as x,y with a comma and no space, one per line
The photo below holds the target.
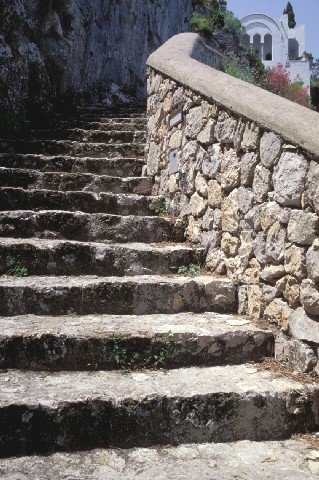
125,360
191,270
161,358
128,361
18,270
160,208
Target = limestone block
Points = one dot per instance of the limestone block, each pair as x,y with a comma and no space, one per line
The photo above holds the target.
271,212
262,183
208,219
251,275
184,208
295,261
279,313
252,219
313,186
175,140
217,218
230,170
215,194
233,269
211,161
245,200
245,251
190,152
201,185
213,239
209,110
256,301
173,183
206,136
291,291
187,168
153,159
312,261
272,273
298,354
193,231
289,179
260,247
230,218
303,227
242,300
215,261
195,122
248,163
225,128
251,137
270,148
168,103
238,137
276,243
310,297
197,205
229,244
304,328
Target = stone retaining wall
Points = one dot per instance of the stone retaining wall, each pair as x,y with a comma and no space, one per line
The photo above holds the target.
251,198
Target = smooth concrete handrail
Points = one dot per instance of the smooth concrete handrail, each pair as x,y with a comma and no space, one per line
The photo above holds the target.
186,59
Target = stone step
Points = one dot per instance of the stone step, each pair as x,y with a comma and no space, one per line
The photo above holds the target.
69,147
59,257
89,227
129,295
121,167
117,125
43,412
89,135
33,179
245,460
88,202
93,342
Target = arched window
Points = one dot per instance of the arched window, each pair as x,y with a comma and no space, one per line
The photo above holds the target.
293,49
246,42
268,47
257,45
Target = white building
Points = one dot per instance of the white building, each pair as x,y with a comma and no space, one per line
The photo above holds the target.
276,43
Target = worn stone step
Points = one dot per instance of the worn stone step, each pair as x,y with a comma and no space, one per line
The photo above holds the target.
129,295
90,135
60,257
117,125
42,412
33,179
88,227
69,147
121,167
94,342
244,460
89,202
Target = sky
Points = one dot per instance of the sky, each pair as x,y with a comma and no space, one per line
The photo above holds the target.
307,12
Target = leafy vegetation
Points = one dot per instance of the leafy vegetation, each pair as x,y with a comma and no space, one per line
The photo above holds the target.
160,208
289,10
127,360
18,270
192,270
211,15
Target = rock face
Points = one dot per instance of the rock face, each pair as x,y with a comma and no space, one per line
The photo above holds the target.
88,46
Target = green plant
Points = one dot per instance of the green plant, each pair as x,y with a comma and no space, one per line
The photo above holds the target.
160,208
166,346
18,270
192,270
125,360
289,10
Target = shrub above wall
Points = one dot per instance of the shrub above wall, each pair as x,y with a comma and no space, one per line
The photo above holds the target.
246,184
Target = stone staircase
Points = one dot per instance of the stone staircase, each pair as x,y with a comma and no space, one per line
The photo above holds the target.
103,344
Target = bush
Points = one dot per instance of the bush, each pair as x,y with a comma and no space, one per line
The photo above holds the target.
277,80
234,67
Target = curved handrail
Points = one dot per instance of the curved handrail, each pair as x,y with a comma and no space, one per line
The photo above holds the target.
186,59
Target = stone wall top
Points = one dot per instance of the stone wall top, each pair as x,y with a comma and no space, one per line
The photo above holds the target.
186,59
